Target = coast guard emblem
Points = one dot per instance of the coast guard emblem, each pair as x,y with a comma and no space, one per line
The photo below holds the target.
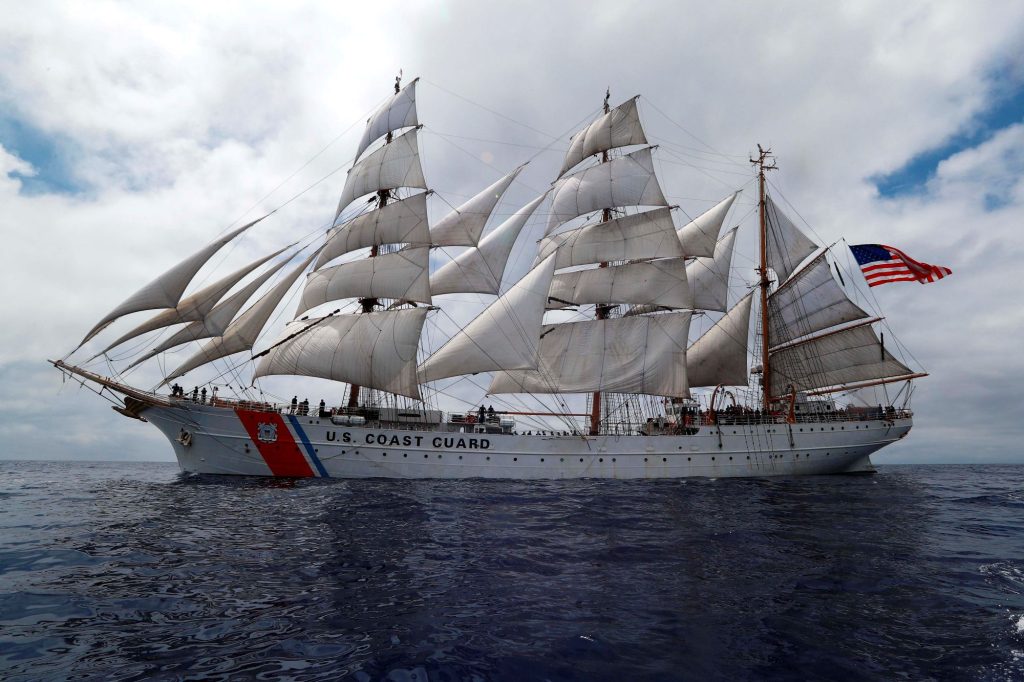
266,432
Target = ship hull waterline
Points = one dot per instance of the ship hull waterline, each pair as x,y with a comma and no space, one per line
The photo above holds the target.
217,440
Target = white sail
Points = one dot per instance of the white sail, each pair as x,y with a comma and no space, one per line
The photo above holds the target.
464,225
620,127
504,336
375,350
810,301
400,222
402,275
479,270
216,321
709,277
635,237
833,359
165,291
787,245
659,283
393,165
398,112
719,356
625,181
243,332
699,236
195,307
624,355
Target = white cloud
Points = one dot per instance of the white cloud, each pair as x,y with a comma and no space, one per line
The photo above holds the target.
178,118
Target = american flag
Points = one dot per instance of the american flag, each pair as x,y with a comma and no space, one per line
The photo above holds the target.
882,264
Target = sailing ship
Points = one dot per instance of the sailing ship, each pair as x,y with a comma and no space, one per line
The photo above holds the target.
604,311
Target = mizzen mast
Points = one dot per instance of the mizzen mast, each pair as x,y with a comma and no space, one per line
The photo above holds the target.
764,162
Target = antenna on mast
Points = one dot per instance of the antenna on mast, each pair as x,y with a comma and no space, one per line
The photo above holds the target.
607,96
398,82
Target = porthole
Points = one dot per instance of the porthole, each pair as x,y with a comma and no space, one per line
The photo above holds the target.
664,459
600,459
581,459
515,459
801,429
748,456
613,459
488,458
542,459
425,456
439,456
561,459
688,459
385,454
730,459
645,459
460,456
405,454
712,458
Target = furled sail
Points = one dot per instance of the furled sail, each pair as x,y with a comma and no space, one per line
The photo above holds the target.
242,333
464,225
400,222
810,301
398,112
719,356
787,245
659,283
393,165
216,321
709,277
620,127
832,359
644,354
624,181
195,307
165,291
479,270
504,336
635,237
376,350
402,275
699,236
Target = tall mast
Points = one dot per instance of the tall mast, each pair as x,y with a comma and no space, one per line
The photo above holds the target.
764,162
368,304
600,310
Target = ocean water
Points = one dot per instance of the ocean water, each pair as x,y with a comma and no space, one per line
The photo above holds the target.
131,571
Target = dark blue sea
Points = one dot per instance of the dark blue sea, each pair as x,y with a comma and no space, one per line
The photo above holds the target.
131,571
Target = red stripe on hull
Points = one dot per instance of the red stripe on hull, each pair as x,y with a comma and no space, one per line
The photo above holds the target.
282,455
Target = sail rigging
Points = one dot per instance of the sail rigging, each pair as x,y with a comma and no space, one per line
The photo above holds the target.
464,225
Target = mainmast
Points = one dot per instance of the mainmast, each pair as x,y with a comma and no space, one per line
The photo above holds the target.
600,310
368,304
764,162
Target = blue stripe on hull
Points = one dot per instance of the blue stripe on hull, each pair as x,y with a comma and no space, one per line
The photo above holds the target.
309,446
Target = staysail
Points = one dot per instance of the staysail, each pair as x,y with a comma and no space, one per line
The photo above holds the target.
165,291
463,226
480,269
504,336
699,236
245,330
719,356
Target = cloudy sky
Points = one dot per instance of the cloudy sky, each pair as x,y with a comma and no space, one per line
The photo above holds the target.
132,133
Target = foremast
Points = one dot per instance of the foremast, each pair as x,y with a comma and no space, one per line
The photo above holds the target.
601,310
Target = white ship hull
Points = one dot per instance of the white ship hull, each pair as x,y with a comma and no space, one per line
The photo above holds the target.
220,440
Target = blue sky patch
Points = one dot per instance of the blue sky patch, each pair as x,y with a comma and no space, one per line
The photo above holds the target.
1006,108
48,155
